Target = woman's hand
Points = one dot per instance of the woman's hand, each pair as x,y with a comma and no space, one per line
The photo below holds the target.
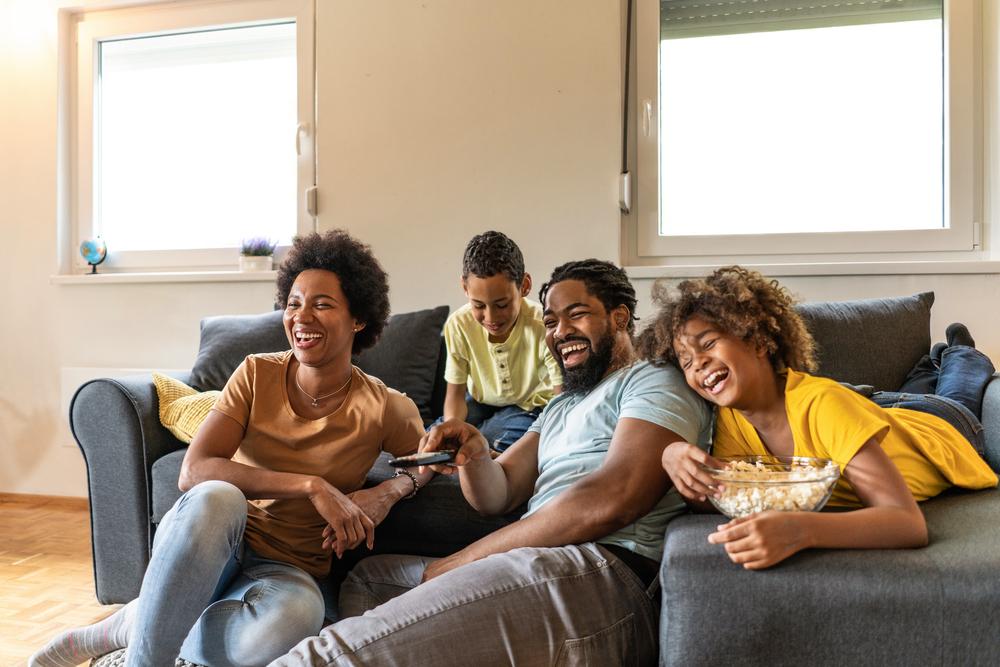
762,540
453,434
374,502
349,526
684,463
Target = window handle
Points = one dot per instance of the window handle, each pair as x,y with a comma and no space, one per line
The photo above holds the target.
300,129
647,116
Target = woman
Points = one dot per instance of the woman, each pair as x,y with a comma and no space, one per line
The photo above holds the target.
272,482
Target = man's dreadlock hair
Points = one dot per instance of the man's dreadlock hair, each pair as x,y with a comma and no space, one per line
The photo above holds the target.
603,280
739,302
493,253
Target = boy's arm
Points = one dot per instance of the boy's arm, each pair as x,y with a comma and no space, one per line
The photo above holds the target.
455,406
890,519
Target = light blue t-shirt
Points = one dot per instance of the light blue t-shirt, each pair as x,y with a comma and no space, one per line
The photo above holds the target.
575,432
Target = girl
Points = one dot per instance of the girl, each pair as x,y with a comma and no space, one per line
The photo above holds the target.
742,346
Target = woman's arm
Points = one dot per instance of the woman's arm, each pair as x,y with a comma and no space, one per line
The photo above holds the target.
454,402
890,519
210,457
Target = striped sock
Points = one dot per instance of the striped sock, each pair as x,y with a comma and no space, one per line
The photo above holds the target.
79,645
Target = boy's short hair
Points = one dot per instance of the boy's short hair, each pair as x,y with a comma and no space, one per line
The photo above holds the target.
490,254
739,302
604,280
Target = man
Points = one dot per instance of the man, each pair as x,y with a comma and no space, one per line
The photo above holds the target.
574,580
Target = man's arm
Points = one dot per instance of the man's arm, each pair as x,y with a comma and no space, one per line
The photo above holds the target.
492,486
625,488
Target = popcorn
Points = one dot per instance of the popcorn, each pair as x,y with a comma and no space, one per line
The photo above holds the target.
744,494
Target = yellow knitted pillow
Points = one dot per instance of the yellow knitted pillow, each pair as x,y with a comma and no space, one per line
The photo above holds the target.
182,409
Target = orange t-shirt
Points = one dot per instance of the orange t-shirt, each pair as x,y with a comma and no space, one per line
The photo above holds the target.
341,448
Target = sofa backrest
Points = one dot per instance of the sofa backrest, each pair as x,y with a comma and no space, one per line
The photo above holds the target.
870,341
407,357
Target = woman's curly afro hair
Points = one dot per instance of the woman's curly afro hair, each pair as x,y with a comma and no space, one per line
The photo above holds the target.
362,279
739,302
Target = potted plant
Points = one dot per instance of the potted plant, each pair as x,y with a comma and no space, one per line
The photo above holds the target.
257,254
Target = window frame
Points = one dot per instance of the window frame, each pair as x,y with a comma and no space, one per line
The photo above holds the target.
88,28
960,239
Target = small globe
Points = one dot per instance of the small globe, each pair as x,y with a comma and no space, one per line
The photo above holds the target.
94,251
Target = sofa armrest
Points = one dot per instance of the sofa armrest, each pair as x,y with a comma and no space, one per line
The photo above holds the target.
991,422
116,423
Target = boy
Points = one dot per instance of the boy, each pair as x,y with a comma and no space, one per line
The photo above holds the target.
499,370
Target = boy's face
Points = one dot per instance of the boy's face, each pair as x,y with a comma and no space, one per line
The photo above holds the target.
720,367
496,302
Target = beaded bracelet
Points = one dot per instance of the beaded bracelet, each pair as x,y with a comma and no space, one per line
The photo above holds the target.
413,478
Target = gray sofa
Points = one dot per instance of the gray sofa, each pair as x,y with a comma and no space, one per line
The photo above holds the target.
938,605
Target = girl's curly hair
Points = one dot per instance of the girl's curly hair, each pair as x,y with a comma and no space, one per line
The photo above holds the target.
362,279
739,302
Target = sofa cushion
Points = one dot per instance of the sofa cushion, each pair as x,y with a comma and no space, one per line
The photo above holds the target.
164,474
182,409
226,340
406,356
870,341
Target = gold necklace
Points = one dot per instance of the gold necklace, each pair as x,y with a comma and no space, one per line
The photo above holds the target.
315,400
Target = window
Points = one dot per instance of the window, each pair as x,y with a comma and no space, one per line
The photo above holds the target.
807,129
193,130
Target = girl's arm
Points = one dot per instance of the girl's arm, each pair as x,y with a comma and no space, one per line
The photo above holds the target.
889,520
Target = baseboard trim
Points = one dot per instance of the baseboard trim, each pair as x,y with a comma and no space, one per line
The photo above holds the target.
55,502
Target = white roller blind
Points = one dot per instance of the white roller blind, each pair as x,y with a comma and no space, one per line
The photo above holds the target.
699,18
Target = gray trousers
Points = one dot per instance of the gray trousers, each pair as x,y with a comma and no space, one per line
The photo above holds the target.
574,605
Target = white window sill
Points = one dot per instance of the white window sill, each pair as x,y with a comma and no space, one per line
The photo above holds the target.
777,270
164,277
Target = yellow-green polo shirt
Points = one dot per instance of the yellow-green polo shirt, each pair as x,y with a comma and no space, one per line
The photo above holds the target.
519,371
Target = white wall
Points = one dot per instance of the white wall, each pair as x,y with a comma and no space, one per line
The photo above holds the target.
439,119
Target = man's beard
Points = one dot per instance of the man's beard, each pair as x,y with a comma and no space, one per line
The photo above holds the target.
586,376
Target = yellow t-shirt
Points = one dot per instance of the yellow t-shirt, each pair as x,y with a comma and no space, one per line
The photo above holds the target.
341,448
519,371
830,421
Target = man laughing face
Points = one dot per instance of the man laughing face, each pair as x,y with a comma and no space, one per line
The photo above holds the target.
587,340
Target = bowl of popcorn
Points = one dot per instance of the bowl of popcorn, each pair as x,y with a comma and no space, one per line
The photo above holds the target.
753,484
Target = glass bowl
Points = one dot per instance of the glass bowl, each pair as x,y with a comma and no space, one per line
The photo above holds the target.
785,483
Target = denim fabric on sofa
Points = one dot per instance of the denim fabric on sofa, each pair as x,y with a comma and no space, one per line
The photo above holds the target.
939,605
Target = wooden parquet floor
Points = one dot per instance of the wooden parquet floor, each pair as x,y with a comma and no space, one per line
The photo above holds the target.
46,573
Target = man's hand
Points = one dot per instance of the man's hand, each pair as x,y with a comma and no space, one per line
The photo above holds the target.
470,443
762,540
447,564
684,463
348,524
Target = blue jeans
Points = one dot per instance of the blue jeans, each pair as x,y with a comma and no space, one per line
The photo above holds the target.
952,390
209,598
502,426
572,605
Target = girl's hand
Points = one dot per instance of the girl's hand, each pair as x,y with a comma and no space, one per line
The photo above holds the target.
349,525
762,540
684,463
